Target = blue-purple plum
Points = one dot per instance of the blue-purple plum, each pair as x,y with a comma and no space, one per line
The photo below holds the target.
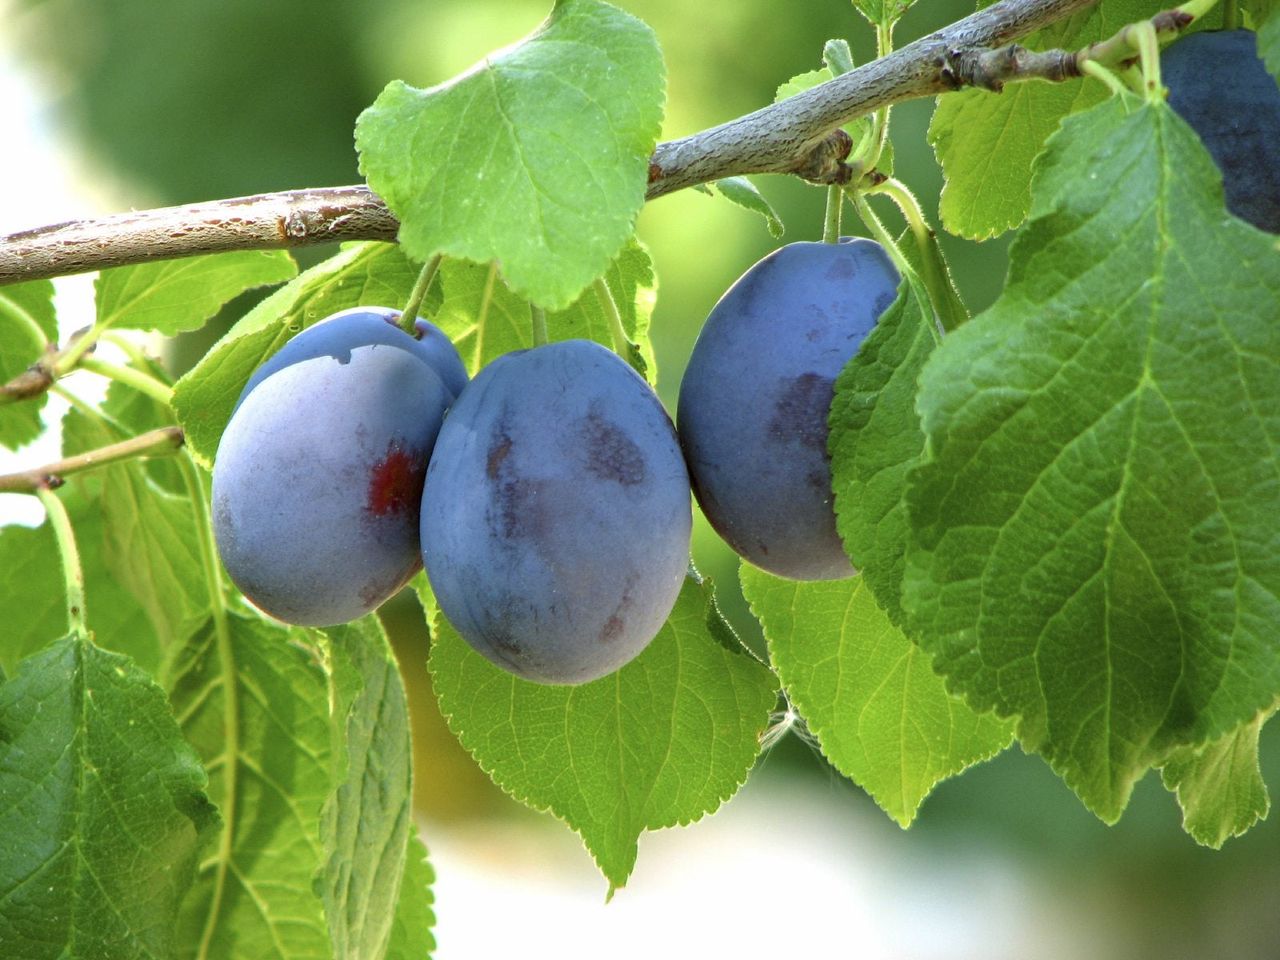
556,514
317,484
1221,88
752,413
335,335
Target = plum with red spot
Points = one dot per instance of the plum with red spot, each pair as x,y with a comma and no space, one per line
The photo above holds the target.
556,513
317,485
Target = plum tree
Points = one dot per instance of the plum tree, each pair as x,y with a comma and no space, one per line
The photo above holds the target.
556,514
1221,88
752,413
318,477
364,326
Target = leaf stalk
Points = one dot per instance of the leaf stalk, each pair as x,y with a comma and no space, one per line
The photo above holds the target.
72,570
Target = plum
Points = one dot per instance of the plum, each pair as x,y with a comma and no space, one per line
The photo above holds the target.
317,484
366,326
556,514
752,413
1220,87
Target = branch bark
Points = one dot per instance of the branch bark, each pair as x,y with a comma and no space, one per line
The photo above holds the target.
787,137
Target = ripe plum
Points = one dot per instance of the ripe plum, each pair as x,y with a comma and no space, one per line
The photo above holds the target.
752,414
1220,87
556,514
317,484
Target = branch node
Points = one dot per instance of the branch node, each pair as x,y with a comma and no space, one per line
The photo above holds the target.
825,162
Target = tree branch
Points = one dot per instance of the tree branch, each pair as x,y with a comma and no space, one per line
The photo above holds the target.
794,136
269,221
779,137
153,443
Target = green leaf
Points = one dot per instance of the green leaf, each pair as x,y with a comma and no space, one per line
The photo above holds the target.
875,439
882,12
537,157
102,809
411,936
151,544
747,195
253,702
485,319
372,274
27,324
661,742
1091,530
1266,18
1219,785
32,607
367,821
986,142
837,56
634,287
32,602
170,296
881,715
801,82
480,314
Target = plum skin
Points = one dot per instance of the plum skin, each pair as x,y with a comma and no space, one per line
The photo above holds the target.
318,477
1221,88
556,513
753,405
366,326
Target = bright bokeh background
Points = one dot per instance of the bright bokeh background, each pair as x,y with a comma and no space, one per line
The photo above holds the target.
112,104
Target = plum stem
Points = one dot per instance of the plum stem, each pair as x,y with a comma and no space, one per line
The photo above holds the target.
831,223
72,570
539,318
1230,15
839,60
419,293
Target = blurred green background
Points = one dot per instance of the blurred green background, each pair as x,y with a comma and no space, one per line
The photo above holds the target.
180,101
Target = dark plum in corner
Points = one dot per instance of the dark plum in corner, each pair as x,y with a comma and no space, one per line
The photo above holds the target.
556,514
1220,87
754,400
318,480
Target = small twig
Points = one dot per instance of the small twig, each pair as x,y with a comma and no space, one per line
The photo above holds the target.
1119,49
142,382
158,442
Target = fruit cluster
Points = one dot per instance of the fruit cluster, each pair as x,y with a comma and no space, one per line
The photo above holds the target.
548,498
